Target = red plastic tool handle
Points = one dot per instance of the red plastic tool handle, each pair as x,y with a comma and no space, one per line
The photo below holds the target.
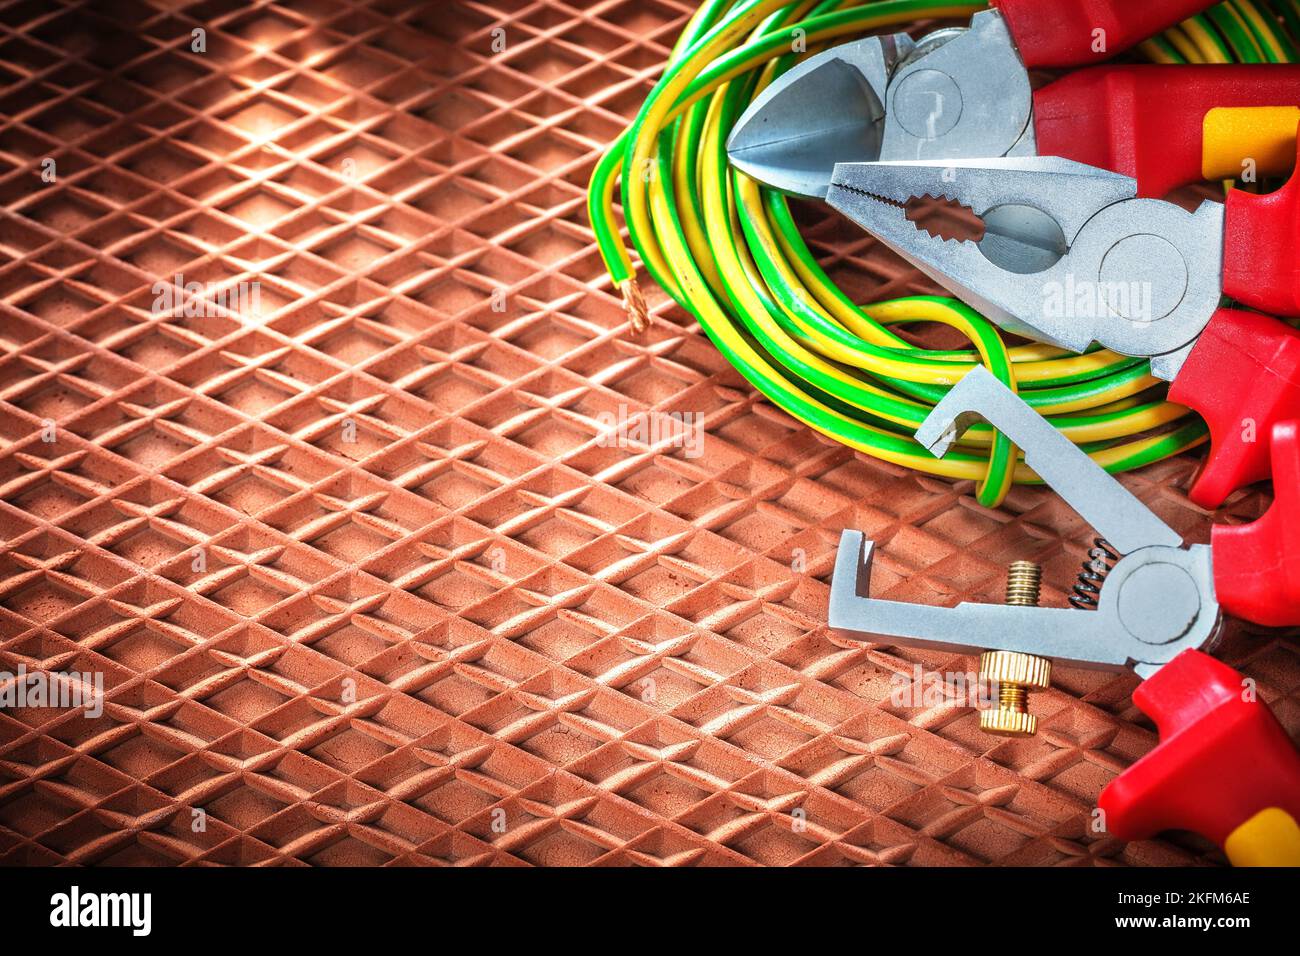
1261,248
1222,757
1148,121
1243,377
1064,32
1257,565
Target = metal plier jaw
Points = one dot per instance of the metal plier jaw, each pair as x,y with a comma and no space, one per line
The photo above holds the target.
954,92
1157,601
1069,255
829,107
961,93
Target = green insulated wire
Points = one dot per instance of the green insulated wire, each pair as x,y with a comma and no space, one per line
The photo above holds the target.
729,253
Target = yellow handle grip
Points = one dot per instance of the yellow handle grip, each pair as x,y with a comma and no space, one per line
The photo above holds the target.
1264,136
1269,838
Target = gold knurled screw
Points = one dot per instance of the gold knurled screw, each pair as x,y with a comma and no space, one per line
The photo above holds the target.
1015,674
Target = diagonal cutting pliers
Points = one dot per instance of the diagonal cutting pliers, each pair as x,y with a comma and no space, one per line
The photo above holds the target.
966,93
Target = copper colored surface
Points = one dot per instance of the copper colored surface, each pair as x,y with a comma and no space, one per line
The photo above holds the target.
464,605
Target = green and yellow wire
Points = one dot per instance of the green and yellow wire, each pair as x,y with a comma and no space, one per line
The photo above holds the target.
727,250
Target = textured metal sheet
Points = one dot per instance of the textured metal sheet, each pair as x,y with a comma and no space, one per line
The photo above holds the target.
362,581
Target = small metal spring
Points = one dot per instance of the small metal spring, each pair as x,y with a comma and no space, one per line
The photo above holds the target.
1101,558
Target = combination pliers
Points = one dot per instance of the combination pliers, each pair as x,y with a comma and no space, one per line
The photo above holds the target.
1069,256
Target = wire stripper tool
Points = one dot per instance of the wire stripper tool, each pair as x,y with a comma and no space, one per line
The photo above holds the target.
966,93
1224,766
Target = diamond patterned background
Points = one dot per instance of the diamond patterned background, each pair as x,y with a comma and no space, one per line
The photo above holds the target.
364,585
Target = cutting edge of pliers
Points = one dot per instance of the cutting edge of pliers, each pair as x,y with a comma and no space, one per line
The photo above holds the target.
954,92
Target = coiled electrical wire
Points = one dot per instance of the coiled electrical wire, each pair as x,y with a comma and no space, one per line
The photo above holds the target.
728,252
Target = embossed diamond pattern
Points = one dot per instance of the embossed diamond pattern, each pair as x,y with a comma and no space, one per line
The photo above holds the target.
364,584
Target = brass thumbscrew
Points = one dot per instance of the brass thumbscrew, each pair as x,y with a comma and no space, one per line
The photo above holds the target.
1015,674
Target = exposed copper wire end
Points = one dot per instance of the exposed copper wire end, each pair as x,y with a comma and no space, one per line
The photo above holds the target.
637,313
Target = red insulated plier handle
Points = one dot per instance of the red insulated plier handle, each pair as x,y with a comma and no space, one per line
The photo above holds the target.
1261,248
1257,565
1243,374
1242,377
1079,32
1148,121
1222,757
1224,761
